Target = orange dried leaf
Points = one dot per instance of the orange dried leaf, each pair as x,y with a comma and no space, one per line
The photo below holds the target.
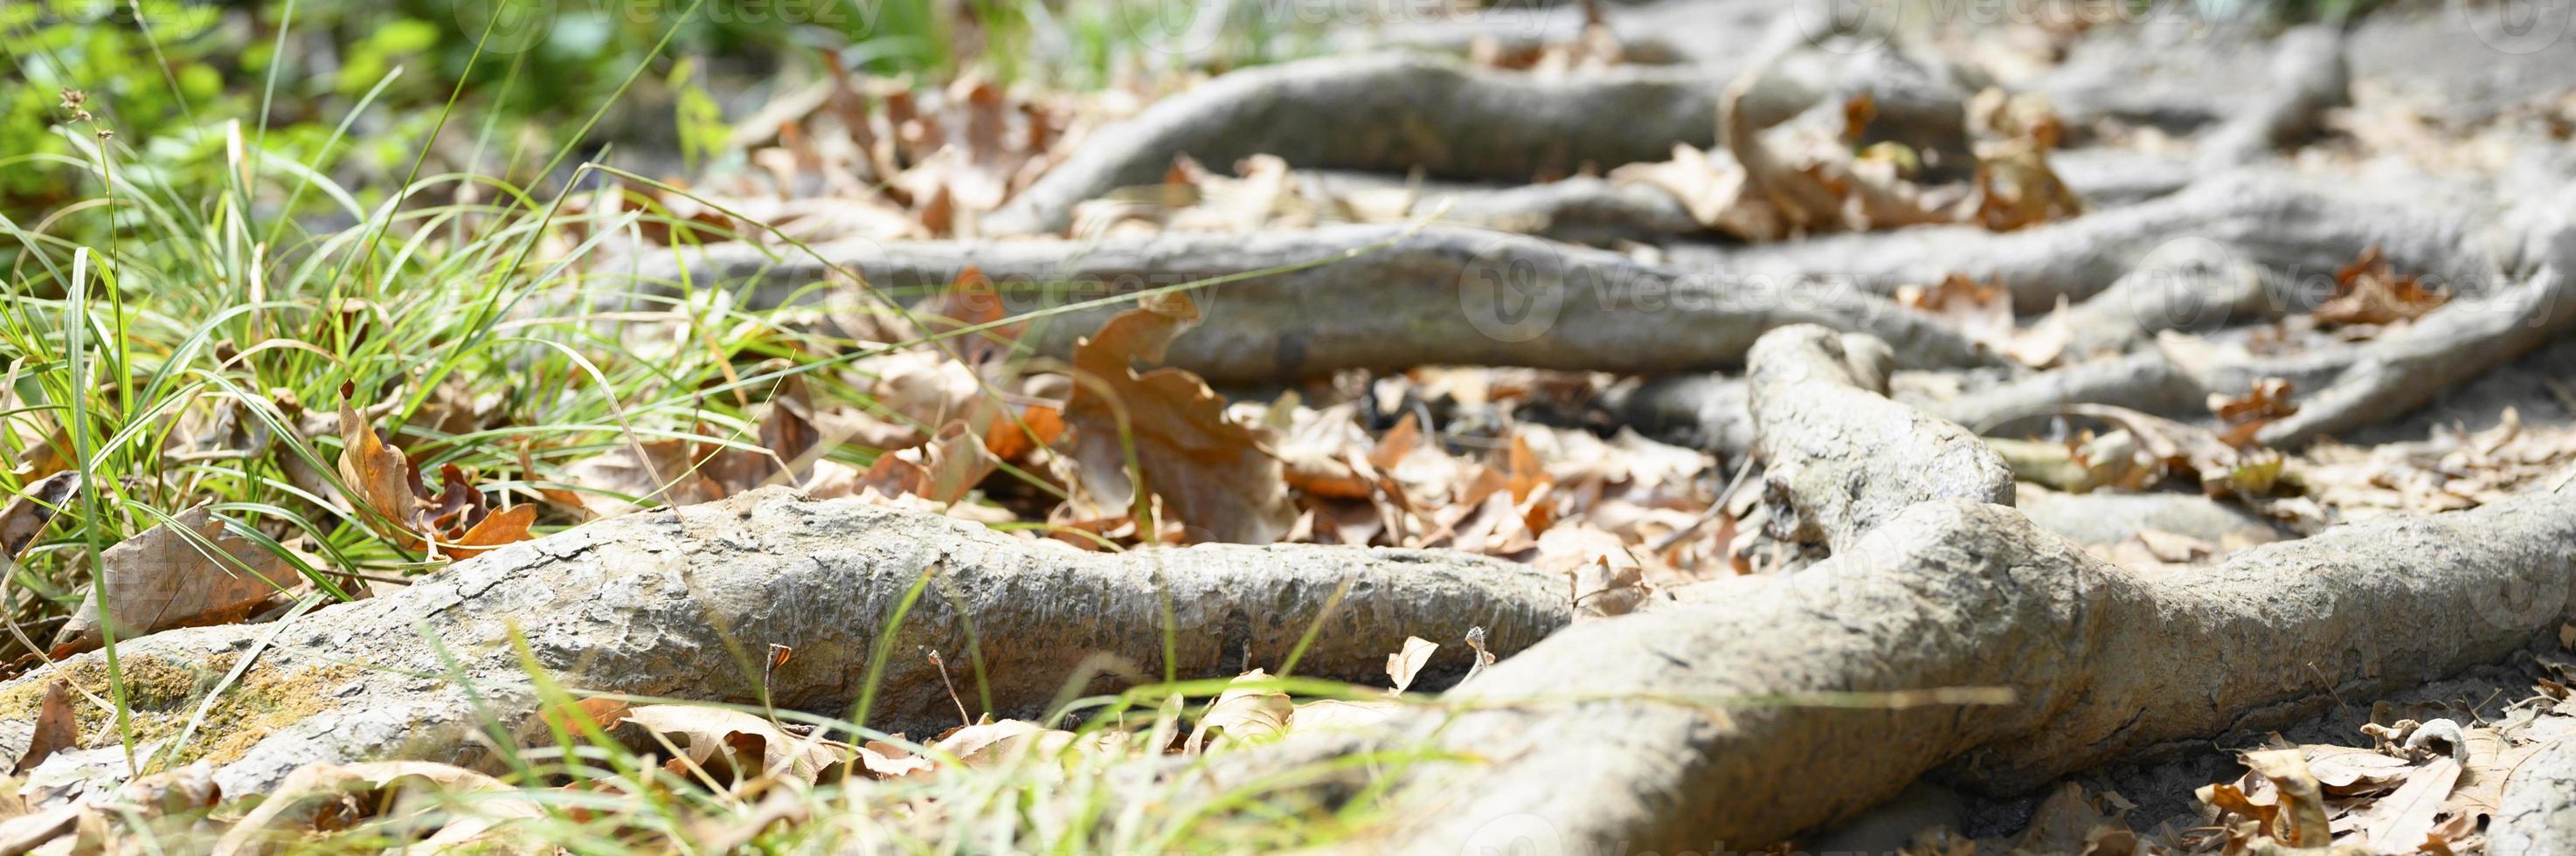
1038,427
2370,291
56,729
500,527
379,473
1217,476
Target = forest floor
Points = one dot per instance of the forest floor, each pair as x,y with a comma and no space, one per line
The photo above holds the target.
1692,426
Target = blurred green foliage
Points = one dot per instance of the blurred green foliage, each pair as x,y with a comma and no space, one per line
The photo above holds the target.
164,76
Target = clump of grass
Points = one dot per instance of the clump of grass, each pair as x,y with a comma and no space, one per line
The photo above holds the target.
183,331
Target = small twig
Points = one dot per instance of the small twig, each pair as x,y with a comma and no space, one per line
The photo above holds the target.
952,689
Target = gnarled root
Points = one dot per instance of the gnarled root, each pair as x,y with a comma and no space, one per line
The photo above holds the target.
1385,297
1761,706
2538,814
1415,111
686,603
1837,456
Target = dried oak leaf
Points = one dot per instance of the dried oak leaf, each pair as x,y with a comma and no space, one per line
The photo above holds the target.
183,573
2267,402
972,301
378,472
1246,713
1214,474
27,516
2370,291
729,745
988,743
506,526
2399,822
2301,821
327,797
56,729
1403,665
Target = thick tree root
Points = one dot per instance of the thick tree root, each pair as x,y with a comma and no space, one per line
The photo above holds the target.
687,602
1580,210
2538,814
2182,285
1837,456
1384,297
1662,32
1745,713
2110,518
1439,115
1455,121
2308,78
2277,221
2449,347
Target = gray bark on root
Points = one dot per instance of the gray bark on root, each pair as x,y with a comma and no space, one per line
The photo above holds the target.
1384,297
1452,120
1437,114
2279,221
2538,812
1593,740
1580,210
2308,78
685,603
1837,456
2523,299
2110,518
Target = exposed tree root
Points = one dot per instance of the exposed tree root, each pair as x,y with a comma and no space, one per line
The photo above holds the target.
2110,518
2308,78
2451,346
1388,298
2273,220
2538,814
1451,120
1712,411
2180,285
686,602
1837,456
1664,32
2103,664
1579,210
1440,115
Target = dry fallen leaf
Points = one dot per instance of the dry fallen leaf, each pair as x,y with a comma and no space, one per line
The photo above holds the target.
729,745
1243,714
506,526
2267,402
1607,577
1401,666
2397,823
2370,291
189,571
1217,476
56,729
327,797
2348,770
27,516
2303,800
379,474
983,743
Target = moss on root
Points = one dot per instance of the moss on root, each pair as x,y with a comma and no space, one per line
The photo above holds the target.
163,696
